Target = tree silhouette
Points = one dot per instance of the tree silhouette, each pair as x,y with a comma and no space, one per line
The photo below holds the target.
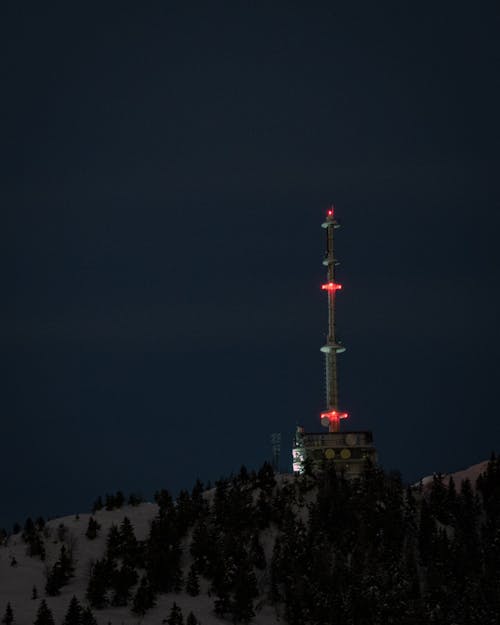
44,615
87,617
175,616
144,598
192,582
74,613
191,619
8,617
92,529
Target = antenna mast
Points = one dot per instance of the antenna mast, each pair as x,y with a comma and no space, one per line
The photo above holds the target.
349,451
330,417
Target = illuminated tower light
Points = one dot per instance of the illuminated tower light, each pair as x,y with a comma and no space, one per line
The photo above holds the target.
332,415
331,286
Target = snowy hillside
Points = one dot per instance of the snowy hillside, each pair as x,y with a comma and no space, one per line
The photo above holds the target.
265,548
471,474
17,582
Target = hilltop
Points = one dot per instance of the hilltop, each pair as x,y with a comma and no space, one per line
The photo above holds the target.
266,548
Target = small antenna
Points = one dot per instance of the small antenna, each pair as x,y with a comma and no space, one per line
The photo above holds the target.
276,447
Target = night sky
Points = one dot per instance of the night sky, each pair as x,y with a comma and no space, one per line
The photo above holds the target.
166,170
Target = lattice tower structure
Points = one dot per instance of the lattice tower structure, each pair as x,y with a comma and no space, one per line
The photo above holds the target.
332,414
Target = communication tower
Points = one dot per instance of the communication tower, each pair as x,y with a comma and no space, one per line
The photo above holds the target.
347,450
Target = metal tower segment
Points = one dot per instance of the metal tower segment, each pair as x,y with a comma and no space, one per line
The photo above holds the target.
331,416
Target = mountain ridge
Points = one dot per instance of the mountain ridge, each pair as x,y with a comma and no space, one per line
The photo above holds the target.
17,582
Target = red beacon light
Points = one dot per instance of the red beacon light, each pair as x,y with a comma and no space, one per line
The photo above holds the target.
329,212
331,286
332,416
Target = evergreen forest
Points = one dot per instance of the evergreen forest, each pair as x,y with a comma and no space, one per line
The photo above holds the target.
320,548
316,549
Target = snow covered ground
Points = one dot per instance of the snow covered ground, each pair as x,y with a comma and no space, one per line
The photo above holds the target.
472,473
16,583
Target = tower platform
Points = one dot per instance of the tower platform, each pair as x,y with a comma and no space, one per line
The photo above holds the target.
348,451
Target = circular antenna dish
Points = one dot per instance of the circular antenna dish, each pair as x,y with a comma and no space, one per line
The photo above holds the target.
351,439
329,454
325,421
345,454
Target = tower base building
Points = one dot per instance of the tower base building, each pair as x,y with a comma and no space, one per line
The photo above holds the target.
348,451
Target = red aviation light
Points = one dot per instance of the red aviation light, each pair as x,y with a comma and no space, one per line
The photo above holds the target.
333,415
331,286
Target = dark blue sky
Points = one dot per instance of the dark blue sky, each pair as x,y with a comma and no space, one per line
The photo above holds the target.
166,168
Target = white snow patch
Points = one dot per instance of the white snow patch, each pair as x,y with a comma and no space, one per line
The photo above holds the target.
471,474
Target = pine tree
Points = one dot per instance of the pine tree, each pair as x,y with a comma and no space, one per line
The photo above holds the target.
66,563
53,585
113,542
184,511
122,582
119,499
92,529
438,499
128,548
163,553
61,532
191,619
265,477
243,475
44,615
177,580
221,586
98,505
36,546
100,581
192,583
263,510
165,502
175,616
74,613
60,573
109,502
8,617
426,533
199,504
87,617
31,536
452,498
135,499
276,572
203,548
29,529
144,598
257,553
245,591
